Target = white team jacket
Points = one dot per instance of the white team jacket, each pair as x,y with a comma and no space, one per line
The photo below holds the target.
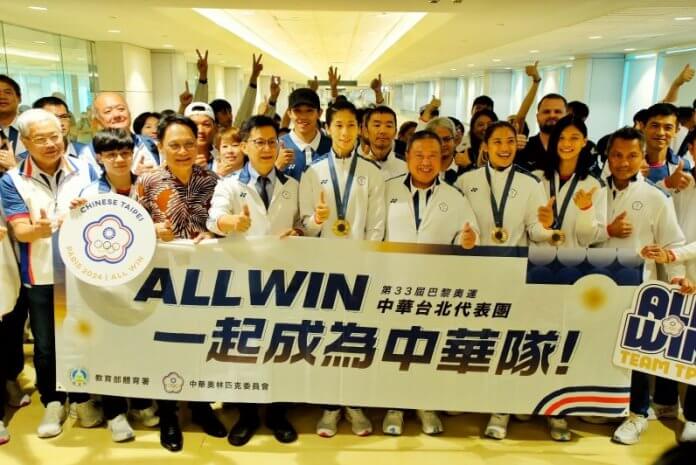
520,216
442,220
365,214
9,274
651,213
233,192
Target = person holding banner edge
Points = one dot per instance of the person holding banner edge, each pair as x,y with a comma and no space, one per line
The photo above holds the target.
260,201
505,199
177,196
638,213
114,151
353,188
423,209
35,196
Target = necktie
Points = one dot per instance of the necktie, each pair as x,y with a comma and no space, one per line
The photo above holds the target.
261,184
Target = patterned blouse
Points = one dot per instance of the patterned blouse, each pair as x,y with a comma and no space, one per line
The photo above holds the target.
186,206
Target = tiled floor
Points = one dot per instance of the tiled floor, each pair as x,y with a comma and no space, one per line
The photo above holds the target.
528,443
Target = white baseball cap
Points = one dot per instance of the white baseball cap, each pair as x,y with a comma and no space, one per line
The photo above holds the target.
199,108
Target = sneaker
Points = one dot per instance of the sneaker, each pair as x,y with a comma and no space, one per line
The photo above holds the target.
361,425
121,431
497,426
393,422
52,421
4,434
629,431
328,423
89,414
147,416
665,411
16,397
688,433
559,429
430,422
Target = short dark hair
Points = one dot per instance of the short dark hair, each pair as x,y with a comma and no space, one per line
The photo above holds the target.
166,113
382,110
50,100
626,133
141,119
257,121
341,105
579,109
422,135
361,114
167,121
110,139
405,127
220,105
497,125
641,116
585,159
457,124
552,96
12,83
484,100
661,109
684,114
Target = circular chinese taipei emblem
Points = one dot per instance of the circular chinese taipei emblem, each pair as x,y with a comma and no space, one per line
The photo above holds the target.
107,241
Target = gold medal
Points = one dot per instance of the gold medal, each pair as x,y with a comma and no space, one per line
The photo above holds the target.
499,235
558,237
341,228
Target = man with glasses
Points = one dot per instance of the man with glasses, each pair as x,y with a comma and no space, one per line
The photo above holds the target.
260,201
177,197
58,107
35,196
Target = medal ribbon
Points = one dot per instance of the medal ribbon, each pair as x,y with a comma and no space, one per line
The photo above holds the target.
342,204
499,212
559,216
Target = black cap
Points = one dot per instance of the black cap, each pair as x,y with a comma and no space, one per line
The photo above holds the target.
304,96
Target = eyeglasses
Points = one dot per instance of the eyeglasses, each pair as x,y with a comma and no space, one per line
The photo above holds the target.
270,143
177,147
112,156
44,140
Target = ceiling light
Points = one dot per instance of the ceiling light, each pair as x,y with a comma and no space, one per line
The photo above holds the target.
471,65
168,46
496,60
507,67
684,18
571,58
629,50
114,31
38,8
453,69
594,37
681,50
38,42
647,55
534,51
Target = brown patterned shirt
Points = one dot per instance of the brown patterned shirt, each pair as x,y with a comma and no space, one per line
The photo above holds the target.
186,206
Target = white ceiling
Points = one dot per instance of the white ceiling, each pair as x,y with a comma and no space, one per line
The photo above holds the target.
303,37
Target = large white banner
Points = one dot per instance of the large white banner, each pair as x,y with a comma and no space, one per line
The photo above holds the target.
356,323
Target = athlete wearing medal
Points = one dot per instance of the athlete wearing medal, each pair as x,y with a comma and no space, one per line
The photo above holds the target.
504,197
576,211
353,186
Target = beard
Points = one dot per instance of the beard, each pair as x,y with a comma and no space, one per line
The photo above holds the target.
548,126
